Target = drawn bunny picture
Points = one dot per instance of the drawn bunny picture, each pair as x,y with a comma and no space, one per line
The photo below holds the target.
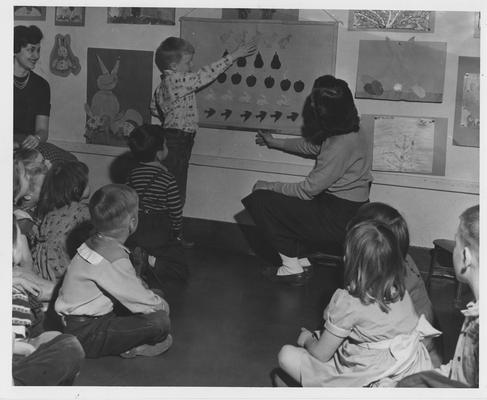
62,60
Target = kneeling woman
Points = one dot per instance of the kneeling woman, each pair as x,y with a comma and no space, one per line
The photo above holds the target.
317,209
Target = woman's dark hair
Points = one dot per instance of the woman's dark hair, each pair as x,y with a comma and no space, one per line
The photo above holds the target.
24,35
329,110
64,183
389,216
145,141
374,267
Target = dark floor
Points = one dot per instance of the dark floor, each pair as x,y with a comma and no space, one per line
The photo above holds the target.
229,324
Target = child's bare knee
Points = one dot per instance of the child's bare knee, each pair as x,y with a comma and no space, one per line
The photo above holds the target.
287,356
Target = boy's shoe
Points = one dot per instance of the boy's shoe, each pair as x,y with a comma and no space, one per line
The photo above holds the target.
149,350
185,243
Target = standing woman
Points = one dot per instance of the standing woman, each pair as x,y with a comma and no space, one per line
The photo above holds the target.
32,97
317,209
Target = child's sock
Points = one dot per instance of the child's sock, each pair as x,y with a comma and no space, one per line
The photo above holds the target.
152,261
304,262
290,265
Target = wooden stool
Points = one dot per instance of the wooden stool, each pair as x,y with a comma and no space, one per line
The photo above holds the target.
441,266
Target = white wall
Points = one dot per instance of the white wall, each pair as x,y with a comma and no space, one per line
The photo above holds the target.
225,164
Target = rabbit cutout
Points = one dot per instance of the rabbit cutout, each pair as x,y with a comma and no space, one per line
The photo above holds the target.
62,60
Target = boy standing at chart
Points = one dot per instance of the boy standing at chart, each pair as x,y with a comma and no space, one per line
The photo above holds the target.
174,100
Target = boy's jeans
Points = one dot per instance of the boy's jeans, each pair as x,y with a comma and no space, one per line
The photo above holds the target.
113,335
179,144
54,363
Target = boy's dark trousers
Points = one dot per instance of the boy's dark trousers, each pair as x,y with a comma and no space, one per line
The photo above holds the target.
154,235
111,335
54,363
179,144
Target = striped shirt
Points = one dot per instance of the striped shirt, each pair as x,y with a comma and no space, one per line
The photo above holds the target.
21,313
162,195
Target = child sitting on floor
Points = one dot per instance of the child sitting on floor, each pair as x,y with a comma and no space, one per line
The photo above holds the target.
463,369
36,168
62,212
100,274
39,358
372,332
160,206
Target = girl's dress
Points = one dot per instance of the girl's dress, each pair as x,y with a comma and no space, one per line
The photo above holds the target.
57,237
377,345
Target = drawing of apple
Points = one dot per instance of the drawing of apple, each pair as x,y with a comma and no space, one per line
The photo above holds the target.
242,62
299,86
251,81
269,82
285,84
236,78
222,77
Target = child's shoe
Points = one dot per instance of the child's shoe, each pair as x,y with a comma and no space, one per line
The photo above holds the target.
149,350
185,243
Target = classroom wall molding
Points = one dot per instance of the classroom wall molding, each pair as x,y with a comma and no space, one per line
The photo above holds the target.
425,182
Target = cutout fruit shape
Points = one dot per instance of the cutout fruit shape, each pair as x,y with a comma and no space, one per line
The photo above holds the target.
225,53
275,63
299,86
269,82
236,78
259,62
251,80
285,84
242,62
222,77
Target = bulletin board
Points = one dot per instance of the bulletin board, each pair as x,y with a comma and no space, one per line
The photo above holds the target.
467,104
407,144
401,70
266,90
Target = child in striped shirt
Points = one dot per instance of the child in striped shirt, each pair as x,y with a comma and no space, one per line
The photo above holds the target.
160,206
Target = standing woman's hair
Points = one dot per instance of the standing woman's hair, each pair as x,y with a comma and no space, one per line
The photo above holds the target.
389,216
329,110
374,267
64,183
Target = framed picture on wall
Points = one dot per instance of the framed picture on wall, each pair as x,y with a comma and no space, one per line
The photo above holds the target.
391,20
29,13
476,25
260,13
70,16
141,15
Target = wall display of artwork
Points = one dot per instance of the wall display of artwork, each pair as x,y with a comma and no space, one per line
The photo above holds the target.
261,13
391,20
69,16
401,70
62,61
476,25
268,89
29,13
119,86
141,15
407,144
467,105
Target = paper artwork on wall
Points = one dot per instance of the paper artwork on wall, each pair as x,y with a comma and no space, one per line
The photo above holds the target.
476,25
69,16
260,13
268,89
391,20
406,144
141,15
119,86
401,70
467,105
62,61
29,13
